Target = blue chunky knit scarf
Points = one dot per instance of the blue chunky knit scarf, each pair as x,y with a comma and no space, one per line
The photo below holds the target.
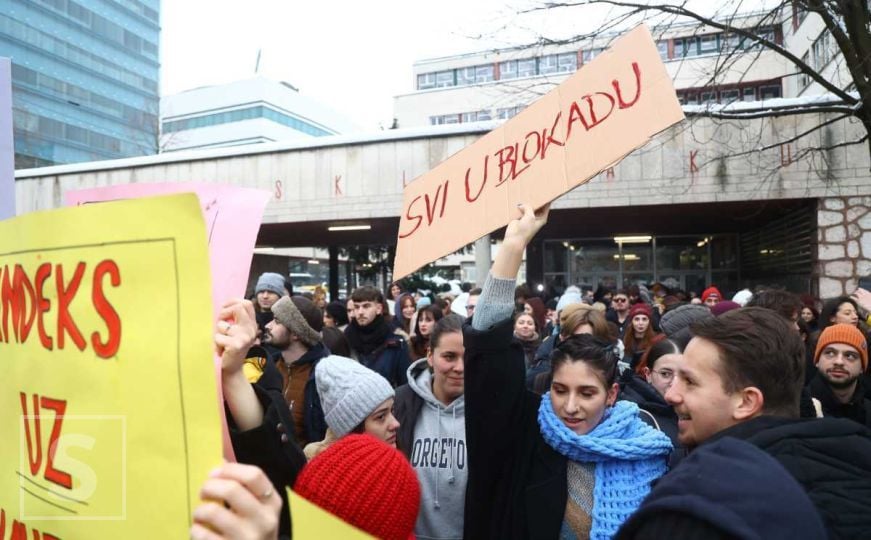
629,455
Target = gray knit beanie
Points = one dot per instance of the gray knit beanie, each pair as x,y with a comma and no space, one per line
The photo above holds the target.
349,392
299,315
676,323
270,281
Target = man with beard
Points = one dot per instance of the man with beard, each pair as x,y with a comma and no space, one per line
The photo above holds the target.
373,342
841,357
293,337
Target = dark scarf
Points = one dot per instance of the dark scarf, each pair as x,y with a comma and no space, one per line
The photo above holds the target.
366,339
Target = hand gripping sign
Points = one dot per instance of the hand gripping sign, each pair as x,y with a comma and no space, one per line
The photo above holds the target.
107,388
600,114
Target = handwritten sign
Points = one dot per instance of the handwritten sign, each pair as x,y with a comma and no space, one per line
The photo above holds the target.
596,117
311,522
232,216
107,390
7,152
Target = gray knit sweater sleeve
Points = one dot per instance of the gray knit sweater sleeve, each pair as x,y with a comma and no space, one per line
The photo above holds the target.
495,304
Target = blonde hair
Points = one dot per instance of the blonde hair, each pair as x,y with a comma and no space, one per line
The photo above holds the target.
575,315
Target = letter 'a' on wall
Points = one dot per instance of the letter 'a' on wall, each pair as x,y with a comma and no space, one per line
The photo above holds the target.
107,387
607,109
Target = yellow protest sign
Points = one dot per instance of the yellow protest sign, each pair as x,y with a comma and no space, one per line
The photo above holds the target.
107,388
311,522
607,109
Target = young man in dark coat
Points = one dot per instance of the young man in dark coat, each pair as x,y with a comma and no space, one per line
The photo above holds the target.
373,342
841,357
741,377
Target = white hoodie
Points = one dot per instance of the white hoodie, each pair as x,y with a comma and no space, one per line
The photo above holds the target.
438,455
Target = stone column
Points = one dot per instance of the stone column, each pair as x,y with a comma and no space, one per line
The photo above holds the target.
844,251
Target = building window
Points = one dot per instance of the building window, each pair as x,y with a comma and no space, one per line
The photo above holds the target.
769,91
547,64
822,50
662,47
749,94
709,97
803,79
567,62
426,81
508,70
526,68
709,44
509,112
445,79
484,73
465,76
730,96
589,54
680,48
444,119
476,116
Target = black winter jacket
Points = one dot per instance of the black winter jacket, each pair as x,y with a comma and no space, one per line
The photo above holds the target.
858,409
517,484
635,389
830,458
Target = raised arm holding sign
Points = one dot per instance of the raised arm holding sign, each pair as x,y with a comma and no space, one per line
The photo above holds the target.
600,114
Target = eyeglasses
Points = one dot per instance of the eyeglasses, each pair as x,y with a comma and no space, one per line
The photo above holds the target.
470,307
621,300
666,374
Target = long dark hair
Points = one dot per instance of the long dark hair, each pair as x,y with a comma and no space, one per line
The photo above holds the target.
598,354
419,343
660,346
830,309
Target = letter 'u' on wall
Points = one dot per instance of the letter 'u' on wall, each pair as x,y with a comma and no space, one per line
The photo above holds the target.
107,388
607,109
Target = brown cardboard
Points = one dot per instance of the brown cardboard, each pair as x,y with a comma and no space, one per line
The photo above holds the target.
568,136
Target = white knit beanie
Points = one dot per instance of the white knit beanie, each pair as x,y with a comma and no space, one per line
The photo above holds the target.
349,392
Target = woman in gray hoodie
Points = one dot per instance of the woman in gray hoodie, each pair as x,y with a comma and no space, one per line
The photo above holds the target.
432,431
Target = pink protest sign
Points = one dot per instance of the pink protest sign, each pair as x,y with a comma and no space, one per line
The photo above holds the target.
232,215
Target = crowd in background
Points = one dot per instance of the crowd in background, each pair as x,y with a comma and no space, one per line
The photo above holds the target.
500,414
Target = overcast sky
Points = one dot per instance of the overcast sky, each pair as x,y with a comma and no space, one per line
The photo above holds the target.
352,56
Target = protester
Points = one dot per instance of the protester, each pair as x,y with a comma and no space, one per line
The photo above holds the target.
787,304
535,308
676,322
373,342
405,309
741,376
536,462
742,297
840,310
711,296
647,384
472,301
525,332
267,291
726,490
574,319
424,321
295,332
618,313
724,306
367,484
336,315
636,339
810,315
552,319
355,400
841,357
432,432
393,294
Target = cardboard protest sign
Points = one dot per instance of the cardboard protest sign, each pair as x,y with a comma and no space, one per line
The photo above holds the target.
310,522
107,388
7,152
232,216
607,109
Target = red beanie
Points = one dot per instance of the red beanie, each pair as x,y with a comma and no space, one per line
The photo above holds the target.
711,290
366,483
640,309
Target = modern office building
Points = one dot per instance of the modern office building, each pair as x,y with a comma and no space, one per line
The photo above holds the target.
498,84
85,78
245,112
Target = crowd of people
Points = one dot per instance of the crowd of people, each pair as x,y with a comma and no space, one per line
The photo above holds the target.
630,413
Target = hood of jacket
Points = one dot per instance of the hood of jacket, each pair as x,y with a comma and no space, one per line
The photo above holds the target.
420,381
635,389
